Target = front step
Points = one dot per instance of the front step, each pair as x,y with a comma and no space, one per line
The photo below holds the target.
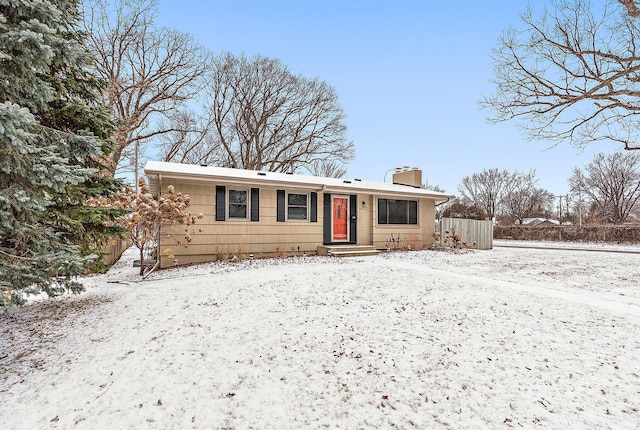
347,250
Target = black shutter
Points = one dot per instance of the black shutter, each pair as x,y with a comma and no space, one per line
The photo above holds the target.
314,207
353,212
255,204
281,206
413,212
383,217
221,202
326,225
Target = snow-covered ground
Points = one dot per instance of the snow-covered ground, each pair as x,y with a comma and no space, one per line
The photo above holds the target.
593,246
507,338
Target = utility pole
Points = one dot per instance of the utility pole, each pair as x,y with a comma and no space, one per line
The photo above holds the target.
566,201
580,208
560,200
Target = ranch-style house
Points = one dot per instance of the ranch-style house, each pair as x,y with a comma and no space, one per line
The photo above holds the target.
262,214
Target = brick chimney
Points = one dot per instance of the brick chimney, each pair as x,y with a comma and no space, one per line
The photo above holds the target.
411,177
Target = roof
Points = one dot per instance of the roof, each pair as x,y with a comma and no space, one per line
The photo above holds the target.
156,169
537,221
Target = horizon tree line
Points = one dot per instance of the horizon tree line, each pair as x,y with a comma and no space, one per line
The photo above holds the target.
605,190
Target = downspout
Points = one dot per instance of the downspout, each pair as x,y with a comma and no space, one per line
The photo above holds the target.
440,204
152,269
159,231
444,202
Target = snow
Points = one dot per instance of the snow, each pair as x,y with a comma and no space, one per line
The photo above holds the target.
224,174
588,246
507,338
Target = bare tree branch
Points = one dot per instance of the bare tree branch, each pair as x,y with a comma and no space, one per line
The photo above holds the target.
632,8
327,168
262,117
523,199
513,194
611,182
152,72
485,189
572,74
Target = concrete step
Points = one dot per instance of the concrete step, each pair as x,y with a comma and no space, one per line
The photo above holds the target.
362,253
347,250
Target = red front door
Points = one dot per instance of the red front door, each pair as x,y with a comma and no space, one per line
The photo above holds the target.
340,219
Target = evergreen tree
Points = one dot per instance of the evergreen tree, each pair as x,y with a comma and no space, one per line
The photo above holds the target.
49,155
76,109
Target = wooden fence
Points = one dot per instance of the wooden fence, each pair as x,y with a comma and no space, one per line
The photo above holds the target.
114,249
470,230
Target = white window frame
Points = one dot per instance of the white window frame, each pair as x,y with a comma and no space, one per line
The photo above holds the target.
286,208
248,203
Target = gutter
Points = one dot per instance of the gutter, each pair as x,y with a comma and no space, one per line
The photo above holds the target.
350,186
445,201
230,180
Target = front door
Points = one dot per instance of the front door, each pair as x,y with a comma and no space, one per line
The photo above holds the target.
340,220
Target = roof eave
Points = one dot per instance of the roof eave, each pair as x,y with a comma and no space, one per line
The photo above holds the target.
262,178
233,179
389,193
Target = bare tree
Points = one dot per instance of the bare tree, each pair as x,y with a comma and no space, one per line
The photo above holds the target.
516,200
523,199
441,207
460,210
327,168
577,208
542,203
432,187
151,72
190,141
611,182
262,117
572,74
528,203
485,189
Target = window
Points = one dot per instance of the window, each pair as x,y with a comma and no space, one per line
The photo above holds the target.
297,206
238,203
234,204
397,211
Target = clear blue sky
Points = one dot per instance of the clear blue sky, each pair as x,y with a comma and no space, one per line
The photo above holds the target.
408,74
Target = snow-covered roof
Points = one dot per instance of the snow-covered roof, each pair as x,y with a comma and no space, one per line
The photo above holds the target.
536,221
156,169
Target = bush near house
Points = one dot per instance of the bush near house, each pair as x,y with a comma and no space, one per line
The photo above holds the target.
570,233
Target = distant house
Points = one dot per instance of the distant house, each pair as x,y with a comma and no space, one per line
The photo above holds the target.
539,221
265,213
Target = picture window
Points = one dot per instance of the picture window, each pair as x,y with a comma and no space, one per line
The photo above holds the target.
397,212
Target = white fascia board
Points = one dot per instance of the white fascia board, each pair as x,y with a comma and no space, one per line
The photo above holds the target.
403,193
274,179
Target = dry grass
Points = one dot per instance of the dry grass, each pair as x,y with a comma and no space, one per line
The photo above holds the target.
413,242
31,332
281,251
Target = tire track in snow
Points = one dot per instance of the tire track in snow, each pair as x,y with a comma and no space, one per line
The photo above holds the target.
608,301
